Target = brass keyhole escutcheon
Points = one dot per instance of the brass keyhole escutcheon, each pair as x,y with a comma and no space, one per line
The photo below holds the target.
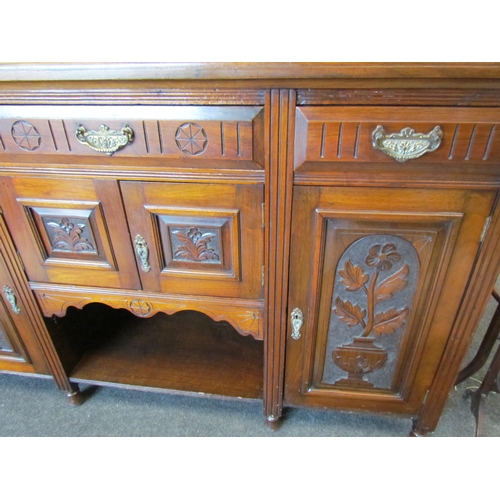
297,321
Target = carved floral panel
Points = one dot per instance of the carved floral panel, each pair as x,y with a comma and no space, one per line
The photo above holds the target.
201,245
76,234
195,244
373,294
69,234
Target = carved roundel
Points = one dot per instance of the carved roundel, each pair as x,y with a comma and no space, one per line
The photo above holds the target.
140,307
25,135
191,139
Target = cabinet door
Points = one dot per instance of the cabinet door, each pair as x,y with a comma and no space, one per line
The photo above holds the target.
19,348
70,231
378,276
197,239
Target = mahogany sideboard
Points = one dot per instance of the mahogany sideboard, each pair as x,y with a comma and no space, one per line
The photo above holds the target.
313,234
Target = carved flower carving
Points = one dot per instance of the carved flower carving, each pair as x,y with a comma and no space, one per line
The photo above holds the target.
382,257
68,236
194,234
354,278
195,246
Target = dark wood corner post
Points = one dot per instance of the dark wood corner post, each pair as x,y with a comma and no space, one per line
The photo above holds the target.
278,202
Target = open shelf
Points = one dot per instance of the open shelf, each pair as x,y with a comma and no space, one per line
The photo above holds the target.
185,352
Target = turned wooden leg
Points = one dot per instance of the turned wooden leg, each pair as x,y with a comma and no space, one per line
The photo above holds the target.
75,397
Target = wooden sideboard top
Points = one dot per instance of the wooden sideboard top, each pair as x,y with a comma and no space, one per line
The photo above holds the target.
282,72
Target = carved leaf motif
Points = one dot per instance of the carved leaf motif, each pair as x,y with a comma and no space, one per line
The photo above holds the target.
67,236
394,283
205,253
195,246
348,313
389,321
353,277
188,250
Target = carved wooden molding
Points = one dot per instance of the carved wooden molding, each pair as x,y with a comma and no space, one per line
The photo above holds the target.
244,315
395,96
144,97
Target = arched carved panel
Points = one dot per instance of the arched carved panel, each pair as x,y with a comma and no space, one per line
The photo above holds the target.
373,296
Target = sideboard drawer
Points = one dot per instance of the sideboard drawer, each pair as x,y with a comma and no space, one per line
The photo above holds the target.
327,137
183,135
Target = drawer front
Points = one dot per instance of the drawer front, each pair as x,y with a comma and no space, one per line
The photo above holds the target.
328,136
184,135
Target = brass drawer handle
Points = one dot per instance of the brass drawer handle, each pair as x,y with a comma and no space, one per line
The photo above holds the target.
141,247
105,140
297,318
408,144
11,297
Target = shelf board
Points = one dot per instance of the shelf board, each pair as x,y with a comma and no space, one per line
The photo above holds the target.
186,352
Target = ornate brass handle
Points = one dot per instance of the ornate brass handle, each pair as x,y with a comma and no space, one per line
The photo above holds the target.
408,144
141,247
11,297
297,321
105,140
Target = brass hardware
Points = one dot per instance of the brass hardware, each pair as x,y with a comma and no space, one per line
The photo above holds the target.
105,140
407,145
141,247
297,322
11,297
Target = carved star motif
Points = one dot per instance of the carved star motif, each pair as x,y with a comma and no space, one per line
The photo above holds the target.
191,139
26,135
140,307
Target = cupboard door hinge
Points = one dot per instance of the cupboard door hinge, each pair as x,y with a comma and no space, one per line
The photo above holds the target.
263,206
487,223
263,275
